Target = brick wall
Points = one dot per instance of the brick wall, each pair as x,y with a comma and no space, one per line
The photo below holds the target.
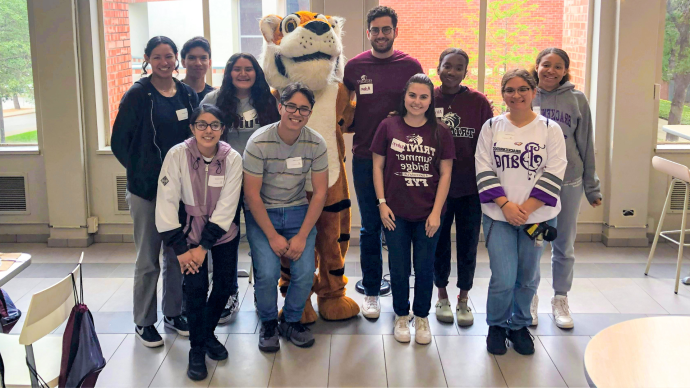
426,31
118,52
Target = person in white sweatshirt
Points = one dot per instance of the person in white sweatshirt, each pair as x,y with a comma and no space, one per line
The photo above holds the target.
558,100
520,162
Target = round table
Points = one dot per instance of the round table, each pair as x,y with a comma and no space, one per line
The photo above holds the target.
645,352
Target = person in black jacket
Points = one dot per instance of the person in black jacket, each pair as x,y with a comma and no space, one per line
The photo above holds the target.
152,118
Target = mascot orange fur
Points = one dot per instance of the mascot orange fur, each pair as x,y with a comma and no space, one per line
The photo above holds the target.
307,47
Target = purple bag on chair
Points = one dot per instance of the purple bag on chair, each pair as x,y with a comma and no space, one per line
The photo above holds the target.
82,358
9,313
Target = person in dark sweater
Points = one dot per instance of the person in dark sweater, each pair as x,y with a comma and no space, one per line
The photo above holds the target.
196,59
152,118
464,110
377,78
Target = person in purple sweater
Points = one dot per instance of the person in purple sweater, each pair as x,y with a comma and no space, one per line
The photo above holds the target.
464,110
377,78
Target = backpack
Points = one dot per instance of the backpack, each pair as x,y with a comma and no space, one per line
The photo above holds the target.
9,316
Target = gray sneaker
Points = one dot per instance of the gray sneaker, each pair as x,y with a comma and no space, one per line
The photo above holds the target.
269,340
296,333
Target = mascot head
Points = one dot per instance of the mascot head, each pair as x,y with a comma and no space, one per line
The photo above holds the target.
303,47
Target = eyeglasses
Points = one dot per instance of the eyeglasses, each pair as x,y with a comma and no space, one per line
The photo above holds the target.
521,90
376,30
202,125
303,111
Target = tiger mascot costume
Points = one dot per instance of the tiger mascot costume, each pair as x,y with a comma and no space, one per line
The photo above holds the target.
307,47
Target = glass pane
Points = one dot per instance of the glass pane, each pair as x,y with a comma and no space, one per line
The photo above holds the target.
251,45
17,116
129,25
674,106
250,14
455,24
223,35
297,5
516,30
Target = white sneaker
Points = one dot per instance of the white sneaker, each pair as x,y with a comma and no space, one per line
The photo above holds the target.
401,332
422,332
371,307
533,308
561,312
443,311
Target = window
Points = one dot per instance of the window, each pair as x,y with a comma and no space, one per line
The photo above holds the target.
516,30
129,24
17,116
674,104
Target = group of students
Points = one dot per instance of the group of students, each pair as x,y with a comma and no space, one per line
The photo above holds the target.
424,157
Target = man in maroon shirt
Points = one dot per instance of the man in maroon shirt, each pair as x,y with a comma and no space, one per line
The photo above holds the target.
377,78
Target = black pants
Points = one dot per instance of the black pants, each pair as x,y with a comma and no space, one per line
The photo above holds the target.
467,212
203,314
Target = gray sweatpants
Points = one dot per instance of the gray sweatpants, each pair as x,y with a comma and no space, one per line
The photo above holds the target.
148,243
563,248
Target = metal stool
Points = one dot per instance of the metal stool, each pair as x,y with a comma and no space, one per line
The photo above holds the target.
681,176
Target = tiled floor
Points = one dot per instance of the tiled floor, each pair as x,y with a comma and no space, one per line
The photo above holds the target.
609,287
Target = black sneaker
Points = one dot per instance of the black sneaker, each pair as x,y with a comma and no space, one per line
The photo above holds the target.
296,333
178,323
215,350
523,341
269,340
148,335
197,364
496,341
230,309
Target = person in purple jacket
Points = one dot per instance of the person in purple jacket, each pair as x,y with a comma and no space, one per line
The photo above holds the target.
198,194
377,78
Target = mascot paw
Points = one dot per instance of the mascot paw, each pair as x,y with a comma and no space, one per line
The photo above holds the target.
308,315
337,309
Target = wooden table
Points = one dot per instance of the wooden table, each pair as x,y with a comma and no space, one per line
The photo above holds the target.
21,264
682,131
645,352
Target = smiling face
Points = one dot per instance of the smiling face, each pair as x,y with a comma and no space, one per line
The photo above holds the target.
452,70
382,42
294,121
243,74
417,99
207,138
197,62
551,71
162,60
518,95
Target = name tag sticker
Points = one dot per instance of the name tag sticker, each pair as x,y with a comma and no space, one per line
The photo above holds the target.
294,162
182,114
504,136
216,180
537,109
366,89
397,145
439,112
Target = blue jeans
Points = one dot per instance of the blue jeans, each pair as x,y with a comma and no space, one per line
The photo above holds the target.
287,222
370,234
514,262
423,251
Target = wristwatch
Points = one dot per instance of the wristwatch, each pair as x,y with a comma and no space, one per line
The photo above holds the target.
380,201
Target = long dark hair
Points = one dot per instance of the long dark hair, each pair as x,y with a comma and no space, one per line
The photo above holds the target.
155,42
552,50
430,113
261,98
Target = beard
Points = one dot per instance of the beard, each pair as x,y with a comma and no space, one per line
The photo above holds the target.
385,49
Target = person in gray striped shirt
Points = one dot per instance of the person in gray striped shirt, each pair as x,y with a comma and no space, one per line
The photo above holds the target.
280,220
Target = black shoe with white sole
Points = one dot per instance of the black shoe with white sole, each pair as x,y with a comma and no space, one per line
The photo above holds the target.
178,323
148,335
230,309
